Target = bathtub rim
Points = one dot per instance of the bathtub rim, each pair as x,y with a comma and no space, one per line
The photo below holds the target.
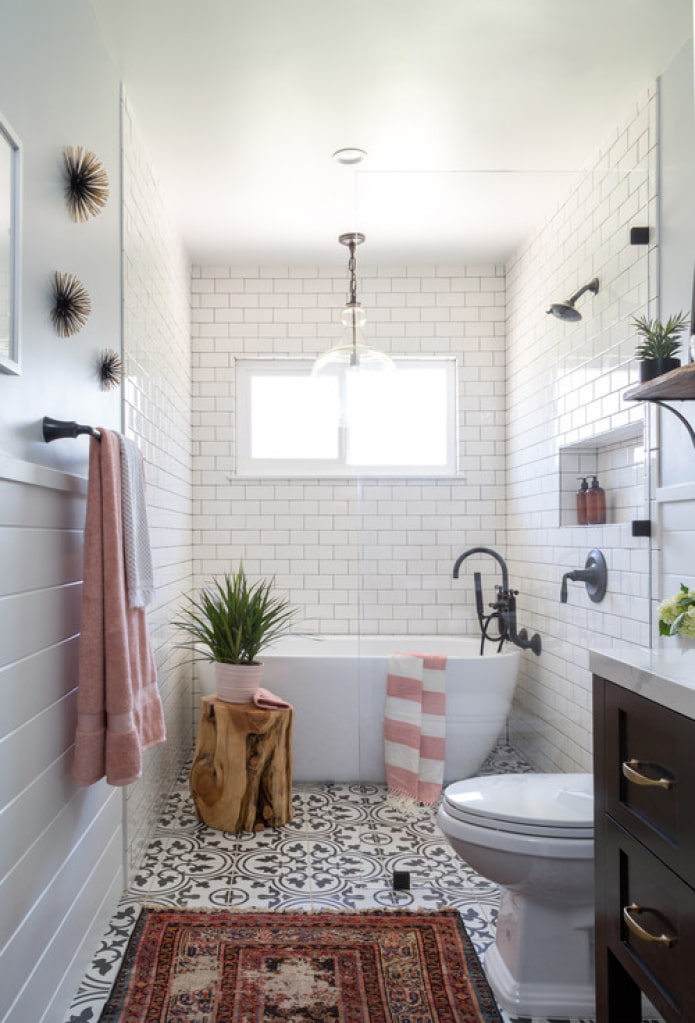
352,645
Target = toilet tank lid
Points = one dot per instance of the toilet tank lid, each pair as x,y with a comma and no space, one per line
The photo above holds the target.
539,799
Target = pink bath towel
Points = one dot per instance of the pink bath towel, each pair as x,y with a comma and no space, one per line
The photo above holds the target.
269,701
415,726
119,710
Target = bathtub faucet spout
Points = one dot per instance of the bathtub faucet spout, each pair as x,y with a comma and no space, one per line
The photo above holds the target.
483,550
503,607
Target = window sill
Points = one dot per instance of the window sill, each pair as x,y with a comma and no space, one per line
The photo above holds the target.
343,477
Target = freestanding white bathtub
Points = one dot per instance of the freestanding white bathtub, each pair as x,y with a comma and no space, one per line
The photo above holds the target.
337,686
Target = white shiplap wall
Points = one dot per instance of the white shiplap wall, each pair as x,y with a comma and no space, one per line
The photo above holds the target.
60,847
61,850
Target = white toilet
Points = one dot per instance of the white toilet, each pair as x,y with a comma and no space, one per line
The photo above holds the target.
533,835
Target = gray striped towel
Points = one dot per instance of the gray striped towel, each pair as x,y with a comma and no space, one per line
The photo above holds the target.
136,535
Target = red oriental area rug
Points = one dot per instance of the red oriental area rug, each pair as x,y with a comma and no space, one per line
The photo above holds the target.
392,966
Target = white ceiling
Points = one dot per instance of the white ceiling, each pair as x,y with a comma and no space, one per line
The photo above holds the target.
472,112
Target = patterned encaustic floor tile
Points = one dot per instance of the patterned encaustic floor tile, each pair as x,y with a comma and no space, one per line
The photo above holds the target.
339,851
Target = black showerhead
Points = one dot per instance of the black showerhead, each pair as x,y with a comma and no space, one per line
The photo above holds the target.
566,310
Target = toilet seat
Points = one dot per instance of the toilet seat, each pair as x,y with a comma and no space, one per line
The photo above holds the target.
548,805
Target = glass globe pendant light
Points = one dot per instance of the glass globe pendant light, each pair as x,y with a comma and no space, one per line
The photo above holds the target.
352,352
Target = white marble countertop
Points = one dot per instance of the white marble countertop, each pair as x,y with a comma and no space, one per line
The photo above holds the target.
665,676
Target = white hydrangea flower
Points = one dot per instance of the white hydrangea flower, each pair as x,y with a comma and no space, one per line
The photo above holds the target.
687,625
669,610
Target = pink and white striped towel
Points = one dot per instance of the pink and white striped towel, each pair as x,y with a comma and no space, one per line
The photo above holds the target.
415,726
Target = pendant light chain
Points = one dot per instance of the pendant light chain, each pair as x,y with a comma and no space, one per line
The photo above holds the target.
352,302
352,267
352,240
353,352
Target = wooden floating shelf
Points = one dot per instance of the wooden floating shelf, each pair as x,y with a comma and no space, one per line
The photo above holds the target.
678,385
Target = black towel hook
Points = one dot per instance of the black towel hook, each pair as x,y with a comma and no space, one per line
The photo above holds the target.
57,429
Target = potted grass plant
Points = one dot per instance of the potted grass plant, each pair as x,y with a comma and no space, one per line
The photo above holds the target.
231,621
660,342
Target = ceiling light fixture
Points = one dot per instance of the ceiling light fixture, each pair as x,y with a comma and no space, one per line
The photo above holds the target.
349,155
352,352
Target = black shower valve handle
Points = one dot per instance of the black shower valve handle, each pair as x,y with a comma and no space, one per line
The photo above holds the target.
594,574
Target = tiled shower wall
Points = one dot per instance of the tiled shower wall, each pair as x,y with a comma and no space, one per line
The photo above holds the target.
369,555
565,384
376,555
156,323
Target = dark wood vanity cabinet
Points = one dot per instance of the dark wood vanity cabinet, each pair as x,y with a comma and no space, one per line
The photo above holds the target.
644,767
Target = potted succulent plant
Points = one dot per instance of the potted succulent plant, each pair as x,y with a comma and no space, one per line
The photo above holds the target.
232,620
660,342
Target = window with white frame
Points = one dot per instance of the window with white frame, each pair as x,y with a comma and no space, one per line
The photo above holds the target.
400,423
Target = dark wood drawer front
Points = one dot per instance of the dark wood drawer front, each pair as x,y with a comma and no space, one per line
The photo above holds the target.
650,789
663,906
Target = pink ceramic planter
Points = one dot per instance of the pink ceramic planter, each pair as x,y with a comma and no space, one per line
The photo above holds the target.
236,683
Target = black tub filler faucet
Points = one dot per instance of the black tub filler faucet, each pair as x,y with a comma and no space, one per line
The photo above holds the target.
503,608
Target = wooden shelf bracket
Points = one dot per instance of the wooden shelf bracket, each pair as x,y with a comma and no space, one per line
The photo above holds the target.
679,415
678,385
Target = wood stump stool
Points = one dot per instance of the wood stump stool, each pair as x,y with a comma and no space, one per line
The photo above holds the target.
241,778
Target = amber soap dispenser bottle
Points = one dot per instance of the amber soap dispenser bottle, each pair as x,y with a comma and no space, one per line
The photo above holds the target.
595,504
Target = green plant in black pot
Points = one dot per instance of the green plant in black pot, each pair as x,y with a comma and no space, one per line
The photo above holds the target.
660,343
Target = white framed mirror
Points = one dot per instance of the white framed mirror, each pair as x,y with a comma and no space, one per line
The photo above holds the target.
10,237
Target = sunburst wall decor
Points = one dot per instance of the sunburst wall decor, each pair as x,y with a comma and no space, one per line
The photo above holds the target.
110,369
87,187
71,304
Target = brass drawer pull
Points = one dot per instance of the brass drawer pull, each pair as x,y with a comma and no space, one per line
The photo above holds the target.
639,931
632,774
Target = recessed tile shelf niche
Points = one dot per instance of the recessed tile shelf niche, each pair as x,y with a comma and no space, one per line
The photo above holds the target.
617,458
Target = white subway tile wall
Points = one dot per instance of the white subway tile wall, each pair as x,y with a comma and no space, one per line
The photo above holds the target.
565,384
157,414
370,555
375,556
